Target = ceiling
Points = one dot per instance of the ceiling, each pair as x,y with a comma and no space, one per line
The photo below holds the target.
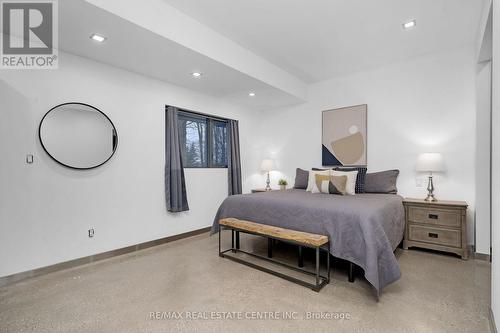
318,39
131,47
273,48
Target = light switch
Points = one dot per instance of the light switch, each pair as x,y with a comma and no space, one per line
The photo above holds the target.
29,158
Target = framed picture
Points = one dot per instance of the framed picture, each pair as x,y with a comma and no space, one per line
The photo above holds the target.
344,133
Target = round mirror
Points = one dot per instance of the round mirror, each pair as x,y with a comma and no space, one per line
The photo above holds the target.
78,136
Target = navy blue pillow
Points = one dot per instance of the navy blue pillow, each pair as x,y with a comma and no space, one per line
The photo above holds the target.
360,179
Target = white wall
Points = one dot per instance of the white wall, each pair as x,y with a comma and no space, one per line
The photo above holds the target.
495,217
46,210
483,131
426,104
483,40
483,157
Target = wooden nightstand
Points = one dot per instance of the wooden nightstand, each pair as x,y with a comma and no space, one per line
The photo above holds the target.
439,225
257,190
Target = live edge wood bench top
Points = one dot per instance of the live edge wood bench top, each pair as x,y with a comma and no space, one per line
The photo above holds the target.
275,232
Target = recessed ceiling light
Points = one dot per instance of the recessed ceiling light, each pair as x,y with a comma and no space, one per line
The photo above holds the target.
98,38
251,94
409,24
196,74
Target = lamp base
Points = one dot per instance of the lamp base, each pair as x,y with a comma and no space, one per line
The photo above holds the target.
430,191
431,198
268,182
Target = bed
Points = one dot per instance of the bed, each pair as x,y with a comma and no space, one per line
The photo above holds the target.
364,229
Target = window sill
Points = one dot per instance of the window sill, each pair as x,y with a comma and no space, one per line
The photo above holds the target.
209,168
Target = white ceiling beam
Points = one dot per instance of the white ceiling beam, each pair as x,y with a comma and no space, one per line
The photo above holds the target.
166,21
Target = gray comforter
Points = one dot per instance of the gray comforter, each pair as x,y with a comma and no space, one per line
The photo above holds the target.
364,229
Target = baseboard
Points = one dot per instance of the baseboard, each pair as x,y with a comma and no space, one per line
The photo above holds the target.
482,256
10,279
493,326
478,256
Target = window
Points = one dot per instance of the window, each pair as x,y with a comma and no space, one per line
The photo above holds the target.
203,141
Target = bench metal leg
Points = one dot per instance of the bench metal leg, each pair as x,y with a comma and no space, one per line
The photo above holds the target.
351,272
237,240
220,252
232,240
269,248
328,266
301,258
317,266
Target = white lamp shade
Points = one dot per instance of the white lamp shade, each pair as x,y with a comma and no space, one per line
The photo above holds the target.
430,162
267,165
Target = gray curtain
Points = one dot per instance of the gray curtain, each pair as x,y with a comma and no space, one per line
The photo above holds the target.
175,185
233,158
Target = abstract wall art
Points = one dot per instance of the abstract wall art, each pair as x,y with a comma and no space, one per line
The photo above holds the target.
344,136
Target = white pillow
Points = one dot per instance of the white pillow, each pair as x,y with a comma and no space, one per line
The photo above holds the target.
312,180
350,186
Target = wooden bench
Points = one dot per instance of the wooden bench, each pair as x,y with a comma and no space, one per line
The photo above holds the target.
300,238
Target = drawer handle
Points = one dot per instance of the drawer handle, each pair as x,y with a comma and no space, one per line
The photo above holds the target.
433,216
433,235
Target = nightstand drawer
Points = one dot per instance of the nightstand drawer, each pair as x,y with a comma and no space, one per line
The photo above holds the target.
448,237
450,218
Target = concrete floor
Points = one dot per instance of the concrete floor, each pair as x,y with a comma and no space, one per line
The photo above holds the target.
437,293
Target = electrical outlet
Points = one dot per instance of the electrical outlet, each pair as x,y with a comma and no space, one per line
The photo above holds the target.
29,159
91,233
419,182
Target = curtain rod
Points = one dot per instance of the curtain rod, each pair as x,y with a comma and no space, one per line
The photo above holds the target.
200,113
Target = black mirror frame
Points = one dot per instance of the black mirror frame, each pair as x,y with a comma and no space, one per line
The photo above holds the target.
115,136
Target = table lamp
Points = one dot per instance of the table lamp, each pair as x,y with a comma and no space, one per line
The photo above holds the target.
430,162
267,166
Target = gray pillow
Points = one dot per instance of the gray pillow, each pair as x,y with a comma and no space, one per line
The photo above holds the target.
382,182
301,179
